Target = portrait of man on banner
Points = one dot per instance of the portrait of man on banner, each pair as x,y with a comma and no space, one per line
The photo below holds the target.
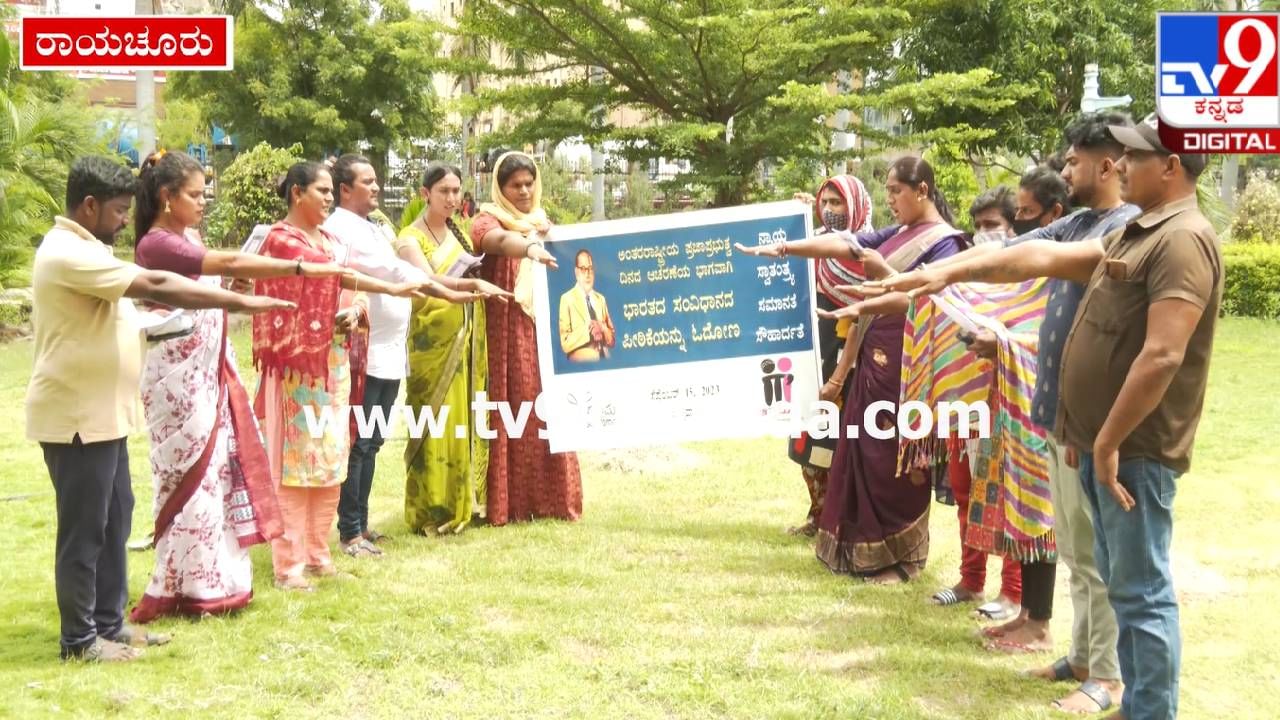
586,330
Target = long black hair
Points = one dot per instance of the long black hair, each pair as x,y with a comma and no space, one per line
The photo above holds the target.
437,171
169,171
301,175
913,171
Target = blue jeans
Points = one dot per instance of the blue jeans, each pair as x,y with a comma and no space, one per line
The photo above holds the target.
1132,550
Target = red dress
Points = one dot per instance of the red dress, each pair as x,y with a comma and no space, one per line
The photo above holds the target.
526,480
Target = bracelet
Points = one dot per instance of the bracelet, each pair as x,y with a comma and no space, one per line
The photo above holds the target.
782,249
531,244
298,268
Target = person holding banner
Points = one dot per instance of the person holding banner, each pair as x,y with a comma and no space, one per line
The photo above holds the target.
303,361
875,522
445,477
213,492
525,480
843,203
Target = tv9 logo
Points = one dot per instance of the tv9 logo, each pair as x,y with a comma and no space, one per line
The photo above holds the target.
1216,70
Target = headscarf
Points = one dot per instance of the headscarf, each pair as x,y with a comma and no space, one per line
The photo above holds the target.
515,221
841,271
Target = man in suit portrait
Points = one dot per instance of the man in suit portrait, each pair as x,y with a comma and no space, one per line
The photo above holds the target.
586,330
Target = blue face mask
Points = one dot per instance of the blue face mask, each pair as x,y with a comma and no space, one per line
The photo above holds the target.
835,220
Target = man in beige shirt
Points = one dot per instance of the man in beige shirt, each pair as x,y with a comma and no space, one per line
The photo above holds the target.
82,401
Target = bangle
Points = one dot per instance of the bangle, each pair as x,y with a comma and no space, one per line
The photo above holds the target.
531,244
298,268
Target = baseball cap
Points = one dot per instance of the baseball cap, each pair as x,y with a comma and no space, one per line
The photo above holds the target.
1145,135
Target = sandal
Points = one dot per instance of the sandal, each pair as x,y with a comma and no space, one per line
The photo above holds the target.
1062,671
322,570
1009,647
1093,690
809,529
360,547
374,536
104,651
947,596
133,637
997,611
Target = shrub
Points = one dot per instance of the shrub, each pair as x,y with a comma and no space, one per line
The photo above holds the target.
1251,286
247,193
1257,212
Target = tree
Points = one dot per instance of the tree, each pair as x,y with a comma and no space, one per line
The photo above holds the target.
247,193
725,84
183,124
1041,48
329,74
43,129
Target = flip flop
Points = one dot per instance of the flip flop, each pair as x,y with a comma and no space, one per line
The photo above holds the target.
1096,692
947,596
133,637
1062,671
997,611
1012,648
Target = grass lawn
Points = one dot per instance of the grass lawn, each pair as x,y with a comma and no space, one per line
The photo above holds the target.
677,596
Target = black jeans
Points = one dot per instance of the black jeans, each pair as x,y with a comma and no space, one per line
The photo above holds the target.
95,512
1037,589
353,505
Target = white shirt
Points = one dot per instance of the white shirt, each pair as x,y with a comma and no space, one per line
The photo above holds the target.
366,247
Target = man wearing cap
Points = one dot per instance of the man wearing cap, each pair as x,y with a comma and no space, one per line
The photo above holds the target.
1132,383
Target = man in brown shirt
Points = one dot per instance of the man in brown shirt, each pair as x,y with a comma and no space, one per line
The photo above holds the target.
1132,386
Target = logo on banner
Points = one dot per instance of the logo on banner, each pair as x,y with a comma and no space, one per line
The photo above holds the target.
1218,82
138,42
777,380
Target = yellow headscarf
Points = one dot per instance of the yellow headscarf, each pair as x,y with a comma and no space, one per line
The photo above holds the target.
515,221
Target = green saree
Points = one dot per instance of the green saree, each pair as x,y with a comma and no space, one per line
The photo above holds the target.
448,364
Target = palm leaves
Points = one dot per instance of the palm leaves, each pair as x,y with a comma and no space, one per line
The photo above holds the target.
39,138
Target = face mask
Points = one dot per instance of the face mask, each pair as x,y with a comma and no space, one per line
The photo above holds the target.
986,236
835,220
1022,227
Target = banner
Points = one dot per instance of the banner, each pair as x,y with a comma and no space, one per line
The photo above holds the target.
655,330
135,42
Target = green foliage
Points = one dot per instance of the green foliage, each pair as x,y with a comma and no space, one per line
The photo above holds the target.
793,175
1038,49
43,129
330,75
956,180
637,195
412,210
1251,286
247,193
183,124
1257,217
564,203
695,68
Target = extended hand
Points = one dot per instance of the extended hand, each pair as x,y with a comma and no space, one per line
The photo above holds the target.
864,290
316,270
849,311
489,291
537,253
804,197
254,304
765,251
914,283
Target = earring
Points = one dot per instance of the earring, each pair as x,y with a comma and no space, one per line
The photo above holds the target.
166,207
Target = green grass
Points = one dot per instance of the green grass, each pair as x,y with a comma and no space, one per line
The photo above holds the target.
676,596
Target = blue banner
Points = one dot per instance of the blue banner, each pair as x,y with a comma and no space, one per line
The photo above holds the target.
677,295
